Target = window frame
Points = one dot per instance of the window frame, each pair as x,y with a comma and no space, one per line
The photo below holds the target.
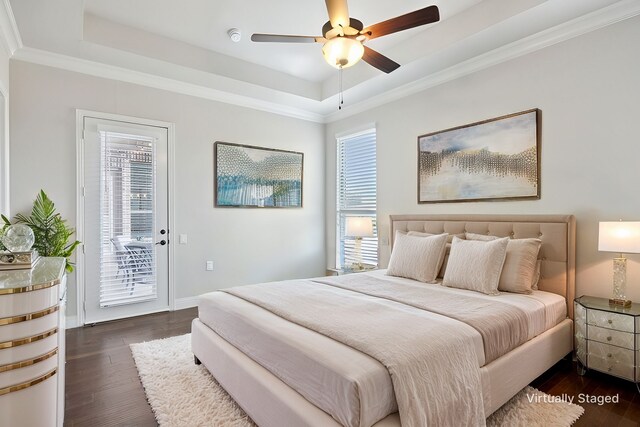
342,212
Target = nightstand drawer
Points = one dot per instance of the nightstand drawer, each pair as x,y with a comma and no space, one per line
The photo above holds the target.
604,319
609,366
611,359
609,336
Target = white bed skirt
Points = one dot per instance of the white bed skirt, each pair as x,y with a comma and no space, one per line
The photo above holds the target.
271,402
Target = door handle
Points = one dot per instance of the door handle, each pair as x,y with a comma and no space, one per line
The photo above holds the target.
161,242
163,231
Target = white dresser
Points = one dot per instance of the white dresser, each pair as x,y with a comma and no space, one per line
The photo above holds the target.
32,346
607,337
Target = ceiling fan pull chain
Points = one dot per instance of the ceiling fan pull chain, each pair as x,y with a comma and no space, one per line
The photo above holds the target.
340,97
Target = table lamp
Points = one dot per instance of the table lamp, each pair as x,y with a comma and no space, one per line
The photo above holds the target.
358,227
622,237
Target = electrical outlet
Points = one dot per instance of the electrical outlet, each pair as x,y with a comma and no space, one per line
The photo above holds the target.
209,265
182,239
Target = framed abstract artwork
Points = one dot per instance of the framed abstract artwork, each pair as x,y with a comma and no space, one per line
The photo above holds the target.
496,159
256,177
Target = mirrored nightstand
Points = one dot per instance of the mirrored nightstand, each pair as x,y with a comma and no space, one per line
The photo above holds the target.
607,338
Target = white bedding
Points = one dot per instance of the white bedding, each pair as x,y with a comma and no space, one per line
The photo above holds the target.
291,351
544,309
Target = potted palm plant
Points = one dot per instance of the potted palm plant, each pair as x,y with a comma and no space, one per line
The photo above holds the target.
52,235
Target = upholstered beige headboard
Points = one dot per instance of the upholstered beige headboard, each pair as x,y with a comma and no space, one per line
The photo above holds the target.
557,232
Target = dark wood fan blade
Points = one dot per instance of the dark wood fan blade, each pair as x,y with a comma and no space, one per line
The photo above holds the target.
338,12
420,17
280,38
379,61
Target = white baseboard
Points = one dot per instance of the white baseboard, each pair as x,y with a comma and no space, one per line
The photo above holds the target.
181,303
188,302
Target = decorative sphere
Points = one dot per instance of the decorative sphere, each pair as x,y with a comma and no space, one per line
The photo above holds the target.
18,238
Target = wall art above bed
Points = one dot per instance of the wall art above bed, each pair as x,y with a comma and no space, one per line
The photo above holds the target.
256,177
496,159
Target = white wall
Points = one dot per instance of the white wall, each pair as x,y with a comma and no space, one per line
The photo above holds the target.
588,90
246,245
4,126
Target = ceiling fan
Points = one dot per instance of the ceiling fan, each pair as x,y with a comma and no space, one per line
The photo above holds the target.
344,37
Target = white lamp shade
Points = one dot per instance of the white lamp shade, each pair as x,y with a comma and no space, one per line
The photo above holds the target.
619,236
358,226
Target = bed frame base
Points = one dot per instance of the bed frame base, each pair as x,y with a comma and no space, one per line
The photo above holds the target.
271,402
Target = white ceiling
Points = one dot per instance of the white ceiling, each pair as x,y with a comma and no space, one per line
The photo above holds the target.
204,23
183,46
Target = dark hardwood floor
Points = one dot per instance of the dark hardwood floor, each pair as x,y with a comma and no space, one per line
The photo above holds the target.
103,389
562,379
102,384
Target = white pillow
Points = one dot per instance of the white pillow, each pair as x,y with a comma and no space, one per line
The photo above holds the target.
476,265
536,275
521,270
447,251
417,258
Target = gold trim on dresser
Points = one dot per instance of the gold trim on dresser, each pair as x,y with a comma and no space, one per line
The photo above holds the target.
32,312
29,316
28,384
29,362
30,288
28,340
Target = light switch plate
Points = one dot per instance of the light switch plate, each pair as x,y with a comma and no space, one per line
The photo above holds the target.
209,265
182,239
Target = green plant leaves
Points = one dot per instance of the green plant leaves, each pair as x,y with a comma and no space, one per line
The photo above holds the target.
51,231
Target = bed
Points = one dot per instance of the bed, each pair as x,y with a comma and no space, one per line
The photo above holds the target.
232,335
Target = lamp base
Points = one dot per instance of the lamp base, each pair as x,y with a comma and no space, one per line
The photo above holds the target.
357,266
620,302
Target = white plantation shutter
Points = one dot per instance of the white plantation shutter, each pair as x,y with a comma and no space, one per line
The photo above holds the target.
357,194
127,197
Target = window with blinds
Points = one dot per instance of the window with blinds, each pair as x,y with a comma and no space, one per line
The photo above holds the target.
127,190
356,192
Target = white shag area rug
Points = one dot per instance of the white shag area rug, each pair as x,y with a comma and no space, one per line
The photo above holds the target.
182,393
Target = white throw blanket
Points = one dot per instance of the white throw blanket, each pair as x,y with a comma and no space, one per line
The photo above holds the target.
431,359
503,327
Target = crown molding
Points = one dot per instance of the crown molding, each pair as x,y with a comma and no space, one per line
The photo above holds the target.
9,29
601,18
98,69
576,27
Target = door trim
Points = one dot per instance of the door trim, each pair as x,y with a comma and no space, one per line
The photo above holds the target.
80,260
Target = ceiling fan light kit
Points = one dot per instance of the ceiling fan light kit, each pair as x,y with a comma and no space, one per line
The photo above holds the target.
342,52
343,37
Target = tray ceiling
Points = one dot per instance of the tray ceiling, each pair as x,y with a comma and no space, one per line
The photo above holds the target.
183,46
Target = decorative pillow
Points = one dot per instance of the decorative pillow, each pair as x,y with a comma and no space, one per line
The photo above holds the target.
476,265
417,258
520,266
450,237
536,276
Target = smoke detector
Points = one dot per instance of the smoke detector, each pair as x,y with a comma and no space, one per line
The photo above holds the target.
234,34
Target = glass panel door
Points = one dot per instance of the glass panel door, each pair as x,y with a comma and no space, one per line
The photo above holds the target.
127,250
126,244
